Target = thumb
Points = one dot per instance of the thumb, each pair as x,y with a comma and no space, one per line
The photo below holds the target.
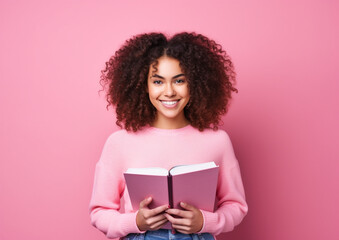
187,206
144,203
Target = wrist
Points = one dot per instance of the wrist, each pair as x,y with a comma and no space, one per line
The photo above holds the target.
138,221
201,221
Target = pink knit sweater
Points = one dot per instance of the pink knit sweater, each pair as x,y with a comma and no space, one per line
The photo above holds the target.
154,147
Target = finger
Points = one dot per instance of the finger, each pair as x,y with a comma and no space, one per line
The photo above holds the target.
149,221
187,206
149,213
144,203
182,229
177,221
159,224
156,219
160,209
169,217
180,213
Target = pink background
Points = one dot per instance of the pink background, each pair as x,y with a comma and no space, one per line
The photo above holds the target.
283,122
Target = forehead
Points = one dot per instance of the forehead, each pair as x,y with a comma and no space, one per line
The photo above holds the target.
166,66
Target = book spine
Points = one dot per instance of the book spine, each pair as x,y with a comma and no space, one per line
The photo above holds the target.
170,191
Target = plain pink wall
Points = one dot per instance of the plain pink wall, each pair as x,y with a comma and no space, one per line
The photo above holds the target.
283,122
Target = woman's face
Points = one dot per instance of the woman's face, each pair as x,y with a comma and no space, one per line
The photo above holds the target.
168,92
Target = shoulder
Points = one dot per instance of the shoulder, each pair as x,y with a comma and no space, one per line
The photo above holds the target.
219,135
216,140
121,136
117,134
116,137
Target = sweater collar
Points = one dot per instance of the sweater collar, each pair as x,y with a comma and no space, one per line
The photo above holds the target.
175,131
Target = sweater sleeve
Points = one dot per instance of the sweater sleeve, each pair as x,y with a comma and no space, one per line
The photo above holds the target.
108,188
231,206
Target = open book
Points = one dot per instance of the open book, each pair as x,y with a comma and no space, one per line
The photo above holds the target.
193,184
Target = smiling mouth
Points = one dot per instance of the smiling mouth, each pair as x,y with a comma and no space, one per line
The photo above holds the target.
170,103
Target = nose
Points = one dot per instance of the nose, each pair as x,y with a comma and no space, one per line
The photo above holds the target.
169,90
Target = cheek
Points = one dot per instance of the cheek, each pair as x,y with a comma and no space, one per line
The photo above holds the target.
153,92
184,92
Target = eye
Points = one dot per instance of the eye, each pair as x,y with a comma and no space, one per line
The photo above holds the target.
180,81
157,82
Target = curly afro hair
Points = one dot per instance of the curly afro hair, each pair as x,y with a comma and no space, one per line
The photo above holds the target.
208,70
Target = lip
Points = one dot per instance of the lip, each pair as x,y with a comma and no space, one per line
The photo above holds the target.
169,106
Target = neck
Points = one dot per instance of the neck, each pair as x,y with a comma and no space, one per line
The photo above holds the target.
169,123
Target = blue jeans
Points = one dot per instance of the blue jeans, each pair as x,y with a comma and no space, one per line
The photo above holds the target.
165,234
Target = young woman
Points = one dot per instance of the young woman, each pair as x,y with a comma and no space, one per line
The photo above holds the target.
169,95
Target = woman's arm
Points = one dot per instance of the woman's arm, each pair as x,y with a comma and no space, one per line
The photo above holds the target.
232,206
108,188
105,204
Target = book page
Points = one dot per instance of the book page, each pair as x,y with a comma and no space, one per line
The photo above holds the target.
191,168
197,188
155,171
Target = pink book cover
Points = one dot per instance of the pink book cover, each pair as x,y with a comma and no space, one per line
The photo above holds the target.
141,186
197,188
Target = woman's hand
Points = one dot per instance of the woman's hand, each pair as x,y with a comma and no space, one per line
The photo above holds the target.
150,219
190,220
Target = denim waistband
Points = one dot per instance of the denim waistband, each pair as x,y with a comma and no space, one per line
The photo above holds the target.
164,234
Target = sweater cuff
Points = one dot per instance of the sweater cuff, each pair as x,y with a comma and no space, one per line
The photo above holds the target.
210,222
127,224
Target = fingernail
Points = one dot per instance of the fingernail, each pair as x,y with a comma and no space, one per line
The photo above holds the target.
169,206
173,231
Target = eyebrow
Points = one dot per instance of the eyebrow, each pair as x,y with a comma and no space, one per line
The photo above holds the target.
158,76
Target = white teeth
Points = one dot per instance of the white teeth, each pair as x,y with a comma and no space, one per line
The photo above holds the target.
169,102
